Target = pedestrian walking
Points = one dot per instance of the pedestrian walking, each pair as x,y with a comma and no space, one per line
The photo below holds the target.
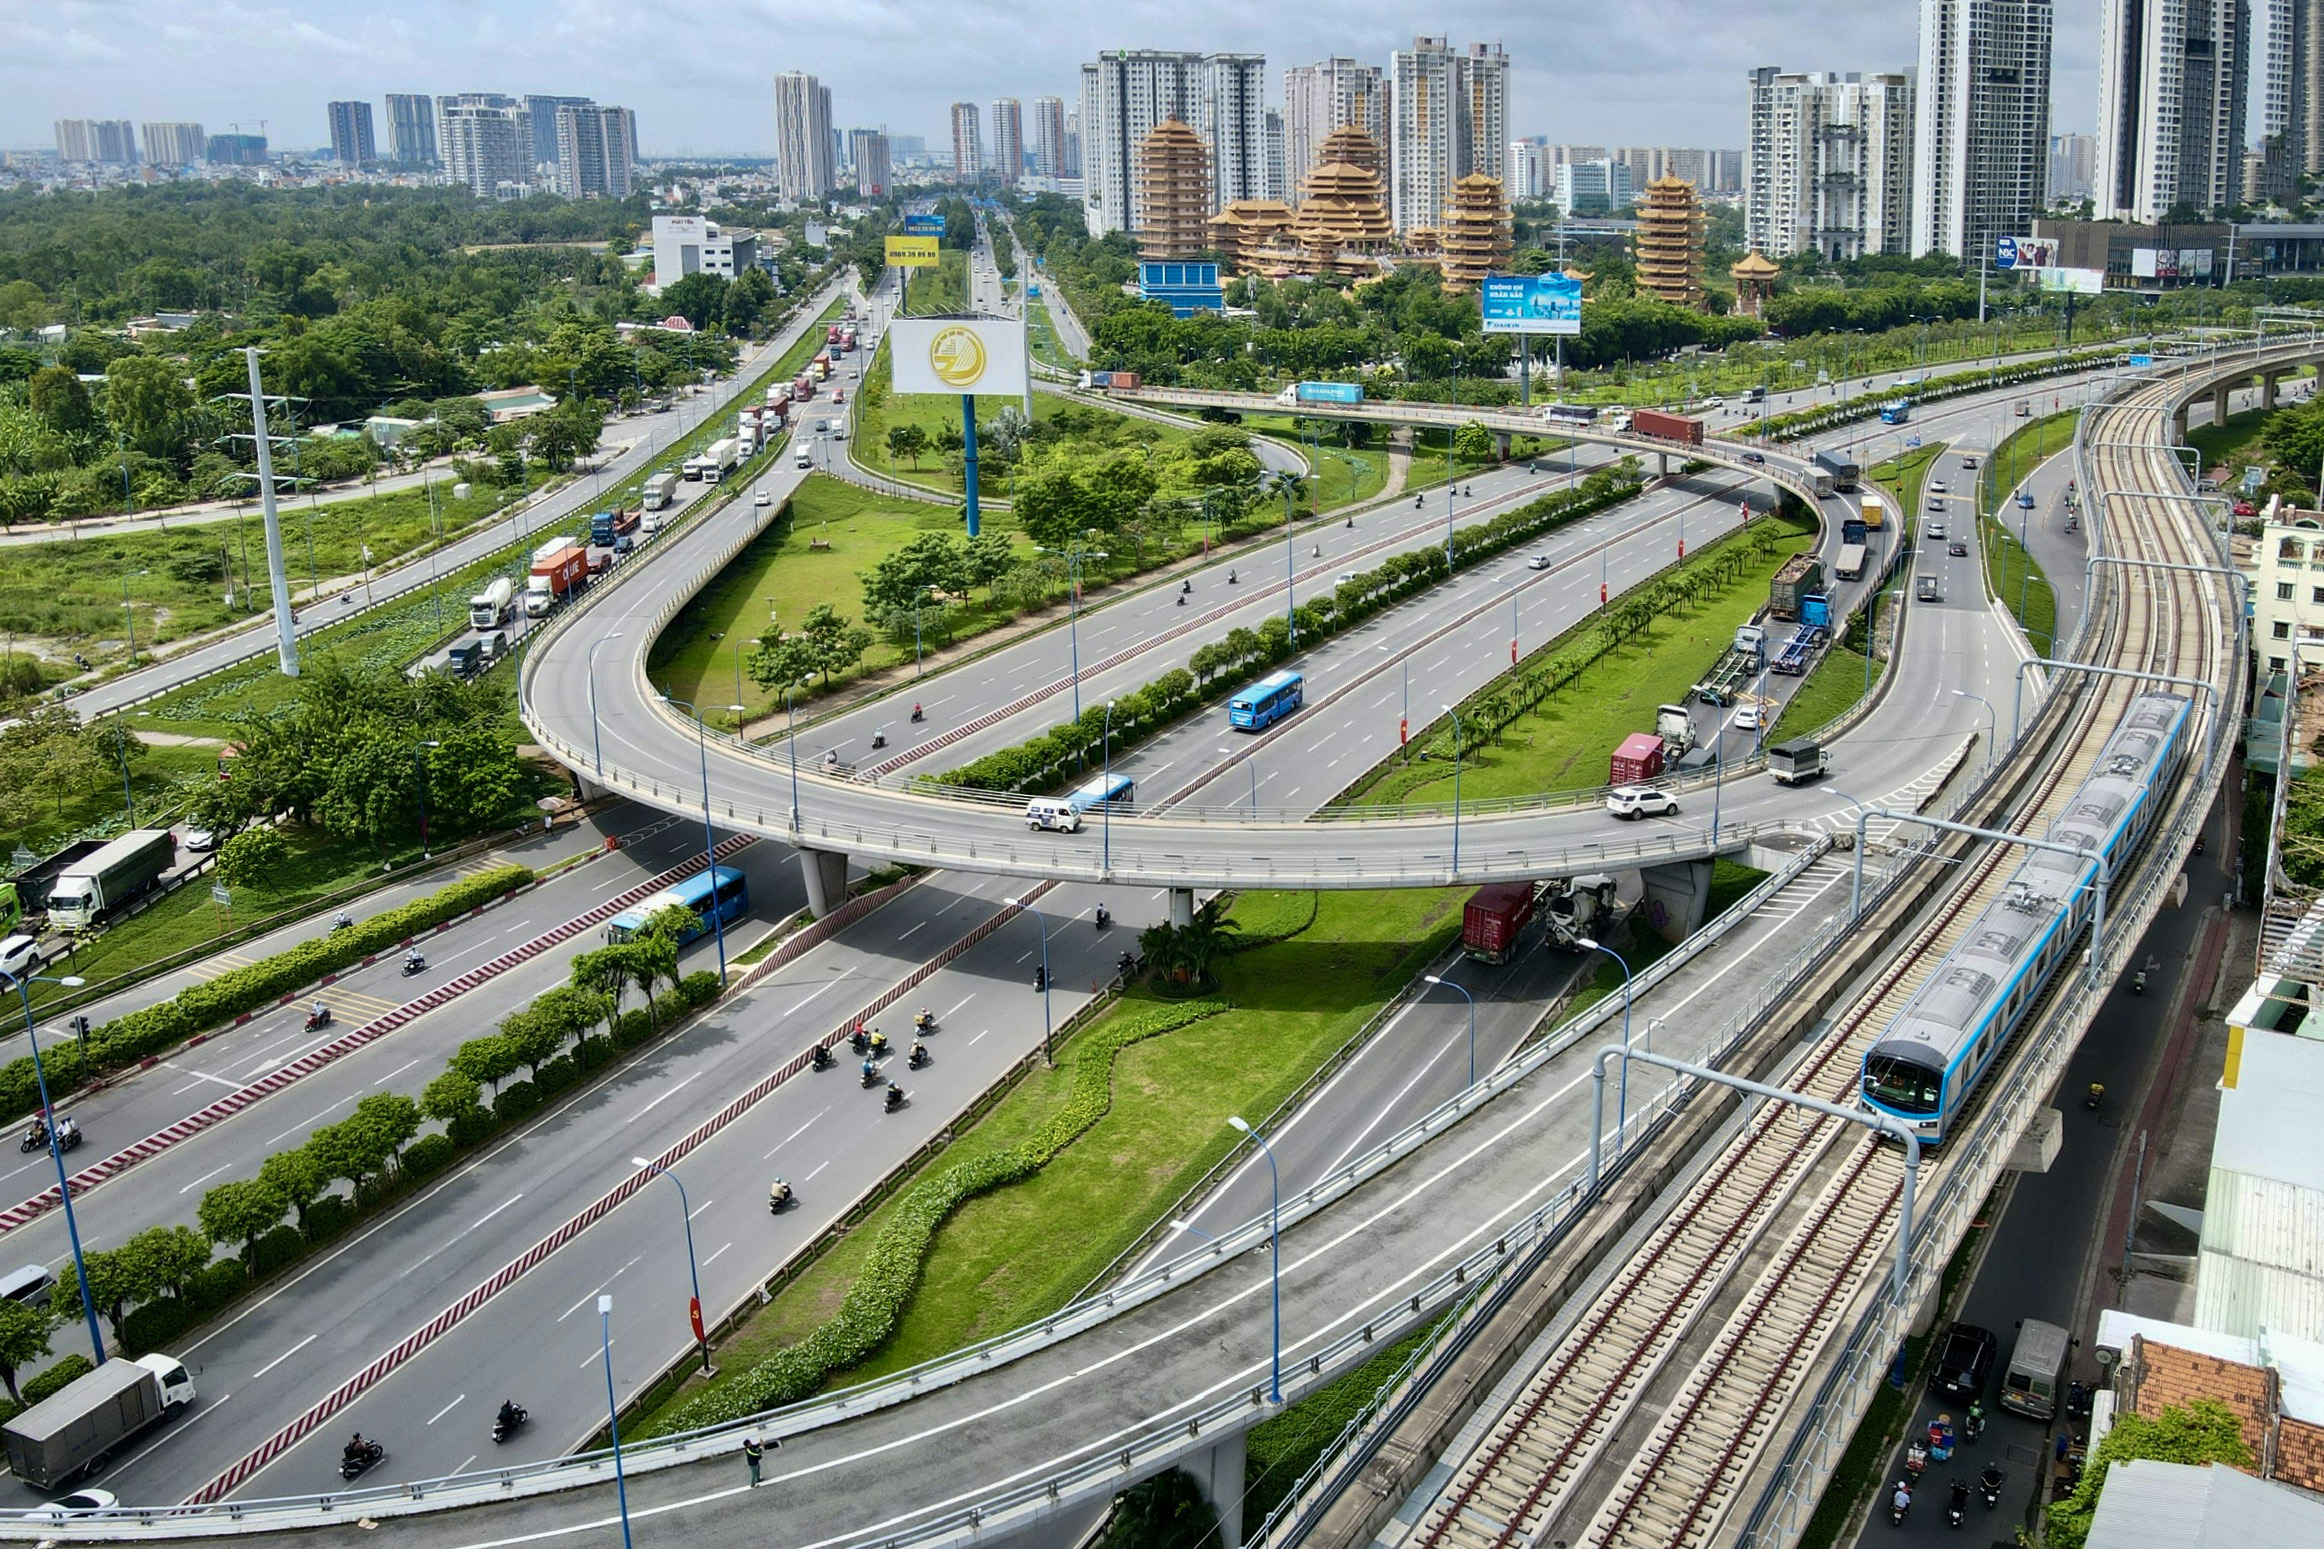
752,1455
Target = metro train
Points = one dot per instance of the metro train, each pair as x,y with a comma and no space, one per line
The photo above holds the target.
1925,1065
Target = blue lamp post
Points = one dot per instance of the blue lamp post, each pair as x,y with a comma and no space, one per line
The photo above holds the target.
693,1270
1456,844
613,1414
1472,1000
709,836
1048,1052
1622,1101
596,739
56,1153
1275,1248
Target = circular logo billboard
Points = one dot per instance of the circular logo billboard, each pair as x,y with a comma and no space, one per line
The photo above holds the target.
957,357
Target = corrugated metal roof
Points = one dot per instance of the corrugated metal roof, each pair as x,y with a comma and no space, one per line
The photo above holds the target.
2150,1505
2261,1263
2267,1120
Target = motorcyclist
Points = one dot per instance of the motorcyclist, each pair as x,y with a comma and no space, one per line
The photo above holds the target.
68,1132
509,1414
1901,1501
1104,917
879,1043
871,1073
895,1095
345,921
778,1194
1989,1479
357,1449
1230,577
917,713
821,1057
1186,586
413,959
919,1054
37,1133
925,1019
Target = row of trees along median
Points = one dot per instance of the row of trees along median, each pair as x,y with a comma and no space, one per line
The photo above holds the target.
1223,665
167,1278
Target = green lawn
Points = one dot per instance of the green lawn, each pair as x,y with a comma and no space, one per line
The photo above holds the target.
1009,1256
1833,685
1350,475
1562,744
1283,1449
2233,445
2025,449
2018,581
943,288
1042,335
157,777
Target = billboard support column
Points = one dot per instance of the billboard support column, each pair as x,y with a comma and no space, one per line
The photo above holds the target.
1524,371
968,455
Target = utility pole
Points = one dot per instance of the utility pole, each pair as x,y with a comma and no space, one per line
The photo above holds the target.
262,440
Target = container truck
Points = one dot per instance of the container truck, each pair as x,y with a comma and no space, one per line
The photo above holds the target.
831,334
1875,514
1850,565
554,577
109,878
1842,469
489,608
1854,530
1801,574
607,526
847,338
719,459
1739,665
1495,919
1666,427
1800,650
1676,728
1638,759
1321,392
821,366
77,1429
661,489
803,389
1795,762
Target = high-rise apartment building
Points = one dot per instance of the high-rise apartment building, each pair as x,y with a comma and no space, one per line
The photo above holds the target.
1593,187
803,169
871,165
1008,148
486,142
2172,78
541,121
107,141
2288,49
1830,167
967,142
411,129
1049,137
1448,117
1981,132
2073,166
351,142
593,151
235,150
173,145
1275,161
1073,142
1126,93
1319,98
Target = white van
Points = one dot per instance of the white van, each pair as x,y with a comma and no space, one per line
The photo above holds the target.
804,458
29,1286
1054,813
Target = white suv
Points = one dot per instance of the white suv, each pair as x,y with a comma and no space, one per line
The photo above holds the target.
1640,801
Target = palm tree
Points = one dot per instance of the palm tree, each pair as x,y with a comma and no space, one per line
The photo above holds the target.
1209,936
1288,487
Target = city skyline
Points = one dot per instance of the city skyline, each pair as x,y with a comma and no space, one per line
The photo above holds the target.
1655,73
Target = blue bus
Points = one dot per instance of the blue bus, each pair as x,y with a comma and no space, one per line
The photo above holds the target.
1896,413
1095,793
1267,701
693,894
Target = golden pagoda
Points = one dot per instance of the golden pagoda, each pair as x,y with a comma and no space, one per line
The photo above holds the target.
1754,281
1342,223
1350,146
1255,236
1669,242
1173,189
1474,239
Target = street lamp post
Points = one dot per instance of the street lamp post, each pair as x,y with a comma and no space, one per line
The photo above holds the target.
791,735
1472,1000
1275,1248
1622,1100
1993,718
709,836
1456,844
420,768
1048,1050
693,1270
596,741
1075,558
613,1414
1107,863
23,983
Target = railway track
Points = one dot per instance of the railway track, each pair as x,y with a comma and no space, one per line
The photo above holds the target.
1530,1478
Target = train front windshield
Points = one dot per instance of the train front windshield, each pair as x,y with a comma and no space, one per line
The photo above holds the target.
1904,1085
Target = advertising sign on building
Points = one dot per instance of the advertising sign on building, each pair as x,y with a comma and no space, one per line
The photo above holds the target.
923,225
2082,282
955,355
911,252
2024,252
2195,262
1531,303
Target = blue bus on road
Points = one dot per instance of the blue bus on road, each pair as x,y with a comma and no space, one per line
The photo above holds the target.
1094,793
1267,701
693,894
1896,413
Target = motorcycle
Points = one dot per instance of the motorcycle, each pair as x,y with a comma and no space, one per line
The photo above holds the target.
1989,1486
925,1022
1899,1503
1941,1439
1957,1505
318,1018
509,1421
345,921
68,1133
1103,917
879,1044
858,1040
34,1138
778,1195
1418,501
918,1057
1126,964
1973,1423
820,1059
1230,578
356,1459
2096,1095
1184,587
895,1097
879,740
918,715
1916,1461
413,964
871,1075
2138,982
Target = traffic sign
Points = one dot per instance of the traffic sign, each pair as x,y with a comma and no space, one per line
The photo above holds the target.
221,895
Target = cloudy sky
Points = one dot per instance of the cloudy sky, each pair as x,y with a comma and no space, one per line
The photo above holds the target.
1633,72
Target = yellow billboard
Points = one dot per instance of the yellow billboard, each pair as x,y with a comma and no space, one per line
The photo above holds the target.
911,252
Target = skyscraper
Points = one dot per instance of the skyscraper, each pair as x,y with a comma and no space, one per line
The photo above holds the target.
173,145
411,129
107,141
1126,93
1448,117
1233,103
1830,164
1981,134
967,143
1272,161
2073,166
1008,150
486,142
871,165
593,160
1319,98
541,120
802,137
1048,137
2289,43
351,143
2172,78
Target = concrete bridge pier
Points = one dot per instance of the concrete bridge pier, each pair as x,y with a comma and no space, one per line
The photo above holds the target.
2219,396
2267,388
1182,906
826,874
1501,445
1662,465
2179,425
1677,895
1219,1474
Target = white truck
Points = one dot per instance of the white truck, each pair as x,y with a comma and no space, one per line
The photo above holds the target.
77,1429
660,490
1676,728
489,608
719,459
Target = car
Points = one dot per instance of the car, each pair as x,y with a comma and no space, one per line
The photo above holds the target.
1537,562
201,841
625,544
1936,504
1936,529
1937,487
1964,1365
1755,458
1714,402
79,1503
19,955
1749,718
2246,508
822,427
1640,801
763,498
1957,549
839,395
1968,465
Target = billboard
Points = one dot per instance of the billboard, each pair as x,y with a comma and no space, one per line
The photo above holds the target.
911,252
2081,282
923,225
1531,303
954,355
2024,252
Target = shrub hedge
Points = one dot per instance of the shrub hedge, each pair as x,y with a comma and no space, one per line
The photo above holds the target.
199,1007
54,1380
892,1272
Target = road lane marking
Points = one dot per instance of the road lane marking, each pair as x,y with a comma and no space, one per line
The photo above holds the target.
819,1166
278,1360
205,1178
714,1257
447,1409
657,1102
795,1134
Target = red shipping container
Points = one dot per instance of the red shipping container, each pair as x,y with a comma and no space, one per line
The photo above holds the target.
1496,914
1667,427
1638,758
1128,379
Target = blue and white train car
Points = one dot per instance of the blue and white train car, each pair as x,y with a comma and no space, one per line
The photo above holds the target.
1925,1065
